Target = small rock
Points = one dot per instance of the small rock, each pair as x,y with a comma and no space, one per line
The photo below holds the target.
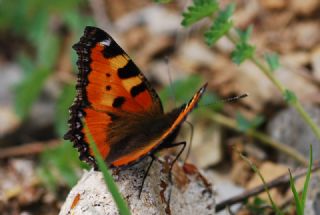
295,59
274,4
225,189
207,145
307,34
288,128
11,75
157,19
304,7
313,196
315,62
191,193
195,53
9,120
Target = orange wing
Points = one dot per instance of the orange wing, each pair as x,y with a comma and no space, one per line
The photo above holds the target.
108,82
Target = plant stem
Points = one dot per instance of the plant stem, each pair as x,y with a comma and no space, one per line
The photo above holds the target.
230,123
307,118
257,171
296,104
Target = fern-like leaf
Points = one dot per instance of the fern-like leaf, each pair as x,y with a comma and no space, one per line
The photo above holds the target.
221,25
199,10
273,61
243,49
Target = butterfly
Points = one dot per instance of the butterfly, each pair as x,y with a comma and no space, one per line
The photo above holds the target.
122,111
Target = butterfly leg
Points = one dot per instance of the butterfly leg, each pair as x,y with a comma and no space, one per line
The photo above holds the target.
171,145
190,141
146,174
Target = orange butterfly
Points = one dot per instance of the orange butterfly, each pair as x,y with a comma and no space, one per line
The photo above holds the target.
123,112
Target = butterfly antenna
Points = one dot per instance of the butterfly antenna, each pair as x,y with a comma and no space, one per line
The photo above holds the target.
228,100
173,95
235,98
190,140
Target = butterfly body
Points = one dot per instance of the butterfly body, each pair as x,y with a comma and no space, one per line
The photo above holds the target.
121,110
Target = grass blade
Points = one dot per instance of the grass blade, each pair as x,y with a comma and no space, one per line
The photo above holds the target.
295,195
306,183
256,170
120,202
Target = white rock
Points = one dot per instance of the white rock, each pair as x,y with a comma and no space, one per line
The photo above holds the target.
191,194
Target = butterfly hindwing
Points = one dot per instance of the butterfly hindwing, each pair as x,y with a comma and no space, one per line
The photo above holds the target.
169,126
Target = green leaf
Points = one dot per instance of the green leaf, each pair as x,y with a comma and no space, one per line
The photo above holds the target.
26,63
244,36
37,28
162,1
295,195
243,49
181,90
63,169
258,206
245,125
273,61
221,25
48,50
29,89
290,97
62,111
211,100
199,10
306,183
76,22
120,202
47,178
242,52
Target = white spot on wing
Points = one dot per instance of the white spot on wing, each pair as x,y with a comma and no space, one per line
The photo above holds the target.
106,42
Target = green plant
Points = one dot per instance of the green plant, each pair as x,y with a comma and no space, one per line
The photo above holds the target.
31,22
256,170
245,125
257,206
223,26
60,166
300,201
41,28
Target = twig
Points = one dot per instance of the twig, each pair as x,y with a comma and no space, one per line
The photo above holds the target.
28,149
230,123
281,180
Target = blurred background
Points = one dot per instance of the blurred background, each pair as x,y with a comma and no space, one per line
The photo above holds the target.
38,74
